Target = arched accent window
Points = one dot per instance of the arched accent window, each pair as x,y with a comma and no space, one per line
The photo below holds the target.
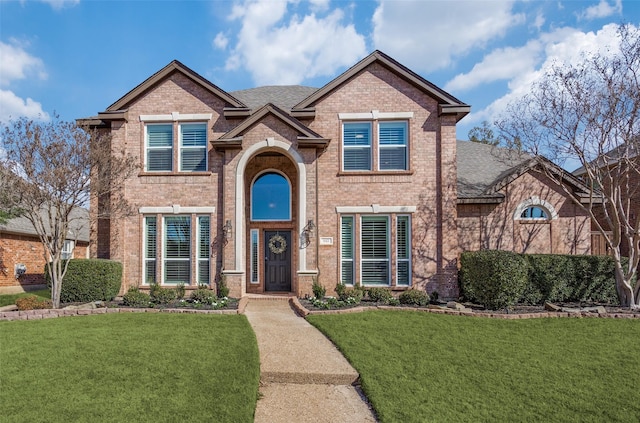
271,197
534,212
535,208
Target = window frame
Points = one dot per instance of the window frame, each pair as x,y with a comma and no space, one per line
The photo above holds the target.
148,261
289,194
148,148
166,258
254,270
67,253
203,256
407,259
351,258
387,246
404,146
369,145
182,148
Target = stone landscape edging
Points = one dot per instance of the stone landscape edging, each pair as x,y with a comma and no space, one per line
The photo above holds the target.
304,312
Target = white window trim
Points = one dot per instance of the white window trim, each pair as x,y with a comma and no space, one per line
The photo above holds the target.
537,202
389,255
147,148
405,146
145,260
164,251
199,259
176,116
375,115
375,209
410,258
361,147
67,251
181,147
254,249
176,209
353,252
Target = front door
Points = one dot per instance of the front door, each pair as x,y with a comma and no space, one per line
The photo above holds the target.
277,261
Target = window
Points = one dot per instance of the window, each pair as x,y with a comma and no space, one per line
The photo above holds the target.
193,147
254,256
177,250
346,250
149,263
357,146
393,145
403,251
389,150
67,249
203,250
159,148
271,198
534,212
183,255
373,253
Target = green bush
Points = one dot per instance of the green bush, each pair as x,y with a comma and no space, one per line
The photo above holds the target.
180,291
89,280
203,295
319,291
495,279
223,289
351,295
379,295
136,298
414,297
160,295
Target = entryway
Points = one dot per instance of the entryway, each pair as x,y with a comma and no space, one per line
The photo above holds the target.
277,261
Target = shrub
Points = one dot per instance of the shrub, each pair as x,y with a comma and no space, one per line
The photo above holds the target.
136,298
223,289
319,291
89,280
414,297
351,295
340,287
495,279
33,302
203,295
180,291
379,295
160,295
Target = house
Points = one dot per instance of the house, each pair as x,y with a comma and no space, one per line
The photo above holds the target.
22,255
273,188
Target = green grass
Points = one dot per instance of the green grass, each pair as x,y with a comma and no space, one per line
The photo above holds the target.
9,299
129,368
420,367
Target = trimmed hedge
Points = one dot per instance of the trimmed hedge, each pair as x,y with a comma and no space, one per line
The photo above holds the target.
89,280
494,278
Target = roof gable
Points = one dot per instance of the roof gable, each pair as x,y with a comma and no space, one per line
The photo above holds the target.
306,137
164,73
448,104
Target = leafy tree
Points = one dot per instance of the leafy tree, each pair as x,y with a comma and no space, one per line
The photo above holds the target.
483,134
49,171
589,112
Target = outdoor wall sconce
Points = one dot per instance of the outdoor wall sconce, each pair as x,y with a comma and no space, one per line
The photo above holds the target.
227,230
305,236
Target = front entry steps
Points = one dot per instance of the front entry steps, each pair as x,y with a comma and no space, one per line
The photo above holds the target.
303,377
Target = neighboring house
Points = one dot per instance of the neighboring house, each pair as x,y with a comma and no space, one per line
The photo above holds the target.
273,188
21,251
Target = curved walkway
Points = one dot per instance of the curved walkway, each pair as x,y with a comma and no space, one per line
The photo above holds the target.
303,377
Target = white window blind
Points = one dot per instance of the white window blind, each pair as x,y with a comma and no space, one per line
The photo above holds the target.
254,256
193,147
159,148
403,251
67,249
375,250
393,145
203,250
356,143
177,250
346,250
150,239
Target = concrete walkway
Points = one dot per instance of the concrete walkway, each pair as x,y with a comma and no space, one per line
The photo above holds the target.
303,377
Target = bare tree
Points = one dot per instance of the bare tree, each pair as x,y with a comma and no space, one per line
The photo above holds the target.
589,113
483,134
49,171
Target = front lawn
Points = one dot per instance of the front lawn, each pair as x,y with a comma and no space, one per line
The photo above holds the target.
129,367
419,367
8,299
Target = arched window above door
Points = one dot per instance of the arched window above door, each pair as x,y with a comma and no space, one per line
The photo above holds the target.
271,197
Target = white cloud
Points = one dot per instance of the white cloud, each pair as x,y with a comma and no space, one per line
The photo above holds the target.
61,4
278,48
439,31
12,106
565,45
17,64
602,10
220,41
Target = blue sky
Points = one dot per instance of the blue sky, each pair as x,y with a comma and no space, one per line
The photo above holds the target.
75,58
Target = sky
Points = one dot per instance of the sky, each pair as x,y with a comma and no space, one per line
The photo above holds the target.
74,58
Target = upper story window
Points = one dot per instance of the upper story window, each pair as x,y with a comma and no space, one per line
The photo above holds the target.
175,142
159,148
67,249
375,141
271,197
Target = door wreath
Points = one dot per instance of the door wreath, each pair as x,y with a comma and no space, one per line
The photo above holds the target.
277,244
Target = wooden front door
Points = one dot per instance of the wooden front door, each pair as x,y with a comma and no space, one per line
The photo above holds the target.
277,261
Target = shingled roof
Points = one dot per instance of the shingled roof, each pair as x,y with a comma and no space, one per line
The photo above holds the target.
79,219
283,96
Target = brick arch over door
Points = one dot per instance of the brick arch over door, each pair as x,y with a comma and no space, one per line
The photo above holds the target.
285,149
